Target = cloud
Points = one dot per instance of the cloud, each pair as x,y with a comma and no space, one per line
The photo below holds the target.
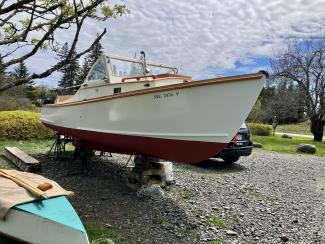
205,38
200,36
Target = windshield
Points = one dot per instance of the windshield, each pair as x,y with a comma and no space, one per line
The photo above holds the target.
99,70
125,67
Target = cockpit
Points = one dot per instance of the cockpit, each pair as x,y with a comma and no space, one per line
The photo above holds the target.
112,69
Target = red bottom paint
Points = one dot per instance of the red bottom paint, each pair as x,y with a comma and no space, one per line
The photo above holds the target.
168,149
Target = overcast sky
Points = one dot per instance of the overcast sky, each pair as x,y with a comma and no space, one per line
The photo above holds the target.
203,38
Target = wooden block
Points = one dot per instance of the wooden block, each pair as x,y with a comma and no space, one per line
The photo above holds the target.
21,159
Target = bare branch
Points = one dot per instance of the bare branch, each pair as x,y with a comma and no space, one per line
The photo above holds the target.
14,6
52,69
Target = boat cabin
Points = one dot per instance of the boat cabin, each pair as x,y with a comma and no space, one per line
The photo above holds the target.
113,74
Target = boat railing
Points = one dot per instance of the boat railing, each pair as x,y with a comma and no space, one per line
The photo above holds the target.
138,77
71,87
175,70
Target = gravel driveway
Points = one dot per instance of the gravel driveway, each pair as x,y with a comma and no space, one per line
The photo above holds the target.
264,198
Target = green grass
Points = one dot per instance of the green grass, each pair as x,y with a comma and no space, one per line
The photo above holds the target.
98,234
216,221
282,145
215,242
296,128
186,194
28,146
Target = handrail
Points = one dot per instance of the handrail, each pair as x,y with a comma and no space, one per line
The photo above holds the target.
141,62
70,87
138,77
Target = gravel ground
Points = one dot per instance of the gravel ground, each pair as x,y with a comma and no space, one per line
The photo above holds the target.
264,198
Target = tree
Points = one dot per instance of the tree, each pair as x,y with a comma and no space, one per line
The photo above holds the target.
20,20
89,60
303,63
21,72
283,102
70,70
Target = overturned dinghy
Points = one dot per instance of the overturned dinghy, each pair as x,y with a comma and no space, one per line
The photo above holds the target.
50,221
154,113
34,209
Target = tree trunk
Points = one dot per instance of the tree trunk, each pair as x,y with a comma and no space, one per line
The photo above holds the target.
317,128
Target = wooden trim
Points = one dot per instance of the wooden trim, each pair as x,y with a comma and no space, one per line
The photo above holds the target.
166,88
159,76
163,77
138,77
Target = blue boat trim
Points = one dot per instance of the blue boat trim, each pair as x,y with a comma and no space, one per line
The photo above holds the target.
57,209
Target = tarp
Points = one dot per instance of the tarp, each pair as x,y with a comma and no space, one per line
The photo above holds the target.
11,194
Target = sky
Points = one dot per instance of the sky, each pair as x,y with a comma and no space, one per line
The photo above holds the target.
202,38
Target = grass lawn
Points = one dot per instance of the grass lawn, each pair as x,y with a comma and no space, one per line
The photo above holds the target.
296,128
282,145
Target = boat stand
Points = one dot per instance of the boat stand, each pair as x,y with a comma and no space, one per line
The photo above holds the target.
148,170
58,146
83,155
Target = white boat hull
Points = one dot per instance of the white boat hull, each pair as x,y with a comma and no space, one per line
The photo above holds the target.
184,123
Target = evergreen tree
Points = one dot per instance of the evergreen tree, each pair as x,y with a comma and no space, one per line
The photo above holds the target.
2,69
21,72
70,70
89,60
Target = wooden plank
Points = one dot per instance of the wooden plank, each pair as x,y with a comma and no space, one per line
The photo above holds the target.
21,159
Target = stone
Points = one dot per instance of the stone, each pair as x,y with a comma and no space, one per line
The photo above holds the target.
306,148
257,145
231,233
108,225
286,136
284,238
151,191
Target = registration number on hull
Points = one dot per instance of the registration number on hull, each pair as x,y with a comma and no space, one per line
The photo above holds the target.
166,95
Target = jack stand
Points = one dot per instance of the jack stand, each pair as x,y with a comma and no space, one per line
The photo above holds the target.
149,170
84,155
58,147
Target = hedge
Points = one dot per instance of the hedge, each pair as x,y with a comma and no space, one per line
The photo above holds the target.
260,129
22,125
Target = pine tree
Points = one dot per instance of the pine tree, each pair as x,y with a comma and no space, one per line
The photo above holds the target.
2,69
70,70
89,60
21,72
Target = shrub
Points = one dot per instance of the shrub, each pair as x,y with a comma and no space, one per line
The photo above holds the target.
260,129
22,125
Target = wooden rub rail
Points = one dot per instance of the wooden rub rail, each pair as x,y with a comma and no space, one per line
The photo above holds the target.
21,159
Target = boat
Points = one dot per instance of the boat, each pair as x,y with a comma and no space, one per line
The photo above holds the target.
137,107
47,221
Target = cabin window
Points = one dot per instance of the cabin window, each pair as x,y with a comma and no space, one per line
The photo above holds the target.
117,90
99,70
